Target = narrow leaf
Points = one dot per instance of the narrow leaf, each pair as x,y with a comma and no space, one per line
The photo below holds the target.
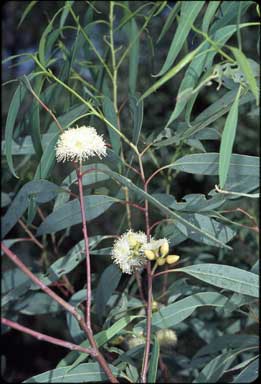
153,365
189,12
227,141
84,373
225,276
175,313
108,282
172,72
248,72
69,214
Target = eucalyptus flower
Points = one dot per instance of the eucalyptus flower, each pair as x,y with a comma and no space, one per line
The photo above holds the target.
80,143
128,251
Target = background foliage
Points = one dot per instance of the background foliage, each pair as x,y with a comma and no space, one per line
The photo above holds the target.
187,87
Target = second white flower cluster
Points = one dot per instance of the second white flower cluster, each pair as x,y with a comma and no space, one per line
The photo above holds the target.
132,250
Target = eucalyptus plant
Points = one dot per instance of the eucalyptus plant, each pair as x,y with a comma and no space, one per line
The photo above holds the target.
133,264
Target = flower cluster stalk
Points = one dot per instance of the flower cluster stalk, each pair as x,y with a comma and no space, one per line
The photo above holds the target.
149,281
89,332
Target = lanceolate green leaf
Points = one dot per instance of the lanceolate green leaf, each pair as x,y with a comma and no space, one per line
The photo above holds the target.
153,366
172,72
207,164
101,338
10,123
169,20
136,108
83,373
35,119
108,282
248,72
189,12
175,313
249,374
69,214
128,183
209,14
43,191
227,141
133,54
225,276
47,160
111,116
27,11
196,67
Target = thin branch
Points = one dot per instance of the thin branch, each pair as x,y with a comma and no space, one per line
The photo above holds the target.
43,105
48,339
32,237
103,363
68,307
145,364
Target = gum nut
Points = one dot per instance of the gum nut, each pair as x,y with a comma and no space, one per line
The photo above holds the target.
171,259
164,249
150,254
161,261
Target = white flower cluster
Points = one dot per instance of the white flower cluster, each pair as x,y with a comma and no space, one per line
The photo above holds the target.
80,143
128,251
132,250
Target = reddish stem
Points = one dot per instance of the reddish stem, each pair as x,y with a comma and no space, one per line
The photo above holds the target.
133,205
149,280
103,363
40,284
27,230
48,339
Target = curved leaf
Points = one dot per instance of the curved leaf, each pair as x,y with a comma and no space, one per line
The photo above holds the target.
43,191
83,373
226,277
175,313
227,141
189,12
70,214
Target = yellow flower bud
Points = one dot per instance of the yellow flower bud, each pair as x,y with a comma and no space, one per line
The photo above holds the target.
171,259
150,254
132,241
161,261
166,337
164,249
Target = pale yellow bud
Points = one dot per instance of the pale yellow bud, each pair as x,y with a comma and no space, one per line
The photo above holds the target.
161,261
166,337
164,249
132,241
171,259
150,254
